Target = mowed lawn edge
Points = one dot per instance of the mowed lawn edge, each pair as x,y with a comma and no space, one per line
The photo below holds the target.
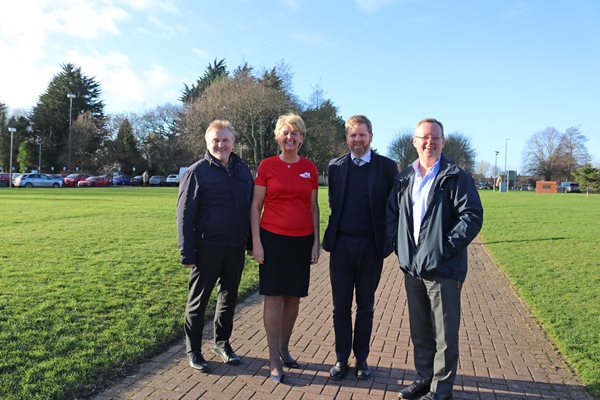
549,248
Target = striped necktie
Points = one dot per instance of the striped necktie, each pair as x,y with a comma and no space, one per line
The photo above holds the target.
358,161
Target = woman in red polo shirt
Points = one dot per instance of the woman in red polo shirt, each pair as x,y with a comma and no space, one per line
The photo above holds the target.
286,237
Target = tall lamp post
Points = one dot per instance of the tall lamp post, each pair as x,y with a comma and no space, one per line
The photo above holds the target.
505,170
495,170
71,96
12,131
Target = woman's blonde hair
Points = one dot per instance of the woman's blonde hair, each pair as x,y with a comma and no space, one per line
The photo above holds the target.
293,120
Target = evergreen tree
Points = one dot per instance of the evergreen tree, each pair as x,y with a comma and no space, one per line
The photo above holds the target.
215,71
50,116
588,176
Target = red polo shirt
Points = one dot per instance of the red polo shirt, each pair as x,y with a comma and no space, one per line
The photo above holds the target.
287,208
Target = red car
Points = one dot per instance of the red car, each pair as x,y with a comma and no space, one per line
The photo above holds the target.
94,181
4,179
72,180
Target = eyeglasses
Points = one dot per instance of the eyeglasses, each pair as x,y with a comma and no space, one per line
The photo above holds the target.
426,138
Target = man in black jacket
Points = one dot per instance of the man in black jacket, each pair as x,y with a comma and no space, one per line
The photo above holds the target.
434,212
359,184
213,220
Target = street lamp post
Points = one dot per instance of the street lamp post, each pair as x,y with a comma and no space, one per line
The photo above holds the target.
505,170
495,170
71,96
12,131
40,158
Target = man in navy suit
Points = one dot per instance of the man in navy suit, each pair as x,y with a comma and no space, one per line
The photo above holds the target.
359,185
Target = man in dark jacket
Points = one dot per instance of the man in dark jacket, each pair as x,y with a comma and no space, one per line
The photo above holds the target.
359,185
213,220
434,212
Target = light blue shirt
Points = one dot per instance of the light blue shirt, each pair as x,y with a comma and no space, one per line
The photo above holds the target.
420,192
365,158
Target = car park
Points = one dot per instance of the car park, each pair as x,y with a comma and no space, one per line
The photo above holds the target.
71,180
136,180
157,180
94,181
568,187
121,180
172,180
37,180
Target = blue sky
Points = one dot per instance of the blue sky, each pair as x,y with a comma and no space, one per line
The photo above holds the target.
489,69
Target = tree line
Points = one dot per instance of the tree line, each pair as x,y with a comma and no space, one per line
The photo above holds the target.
168,136
162,139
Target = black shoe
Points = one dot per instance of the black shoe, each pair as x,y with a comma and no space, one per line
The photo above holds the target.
415,391
227,355
435,396
198,362
362,370
289,363
338,371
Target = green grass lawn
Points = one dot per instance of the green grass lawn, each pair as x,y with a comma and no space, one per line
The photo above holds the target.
90,283
549,246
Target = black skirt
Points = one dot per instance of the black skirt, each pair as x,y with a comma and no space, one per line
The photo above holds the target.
286,269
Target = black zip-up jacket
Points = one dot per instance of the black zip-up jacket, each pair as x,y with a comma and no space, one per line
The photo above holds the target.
453,218
213,205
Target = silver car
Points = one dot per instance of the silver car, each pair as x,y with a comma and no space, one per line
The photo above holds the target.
38,180
173,180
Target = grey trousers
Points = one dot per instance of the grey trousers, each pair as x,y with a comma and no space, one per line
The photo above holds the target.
434,313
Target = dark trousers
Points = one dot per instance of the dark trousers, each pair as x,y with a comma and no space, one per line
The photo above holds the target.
220,266
354,266
434,314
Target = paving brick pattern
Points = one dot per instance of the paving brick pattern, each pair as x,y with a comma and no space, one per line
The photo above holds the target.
505,355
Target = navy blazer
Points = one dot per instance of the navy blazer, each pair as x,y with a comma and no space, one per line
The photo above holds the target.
382,172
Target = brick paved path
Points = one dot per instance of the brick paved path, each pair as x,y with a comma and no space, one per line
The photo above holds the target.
504,353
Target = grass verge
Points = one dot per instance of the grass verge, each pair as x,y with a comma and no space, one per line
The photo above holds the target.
90,284
549,247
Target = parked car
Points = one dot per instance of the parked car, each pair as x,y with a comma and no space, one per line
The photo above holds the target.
136,180
4,180
121,180
172,180
71,180
14,176
157,180
94,181
37,180
568,187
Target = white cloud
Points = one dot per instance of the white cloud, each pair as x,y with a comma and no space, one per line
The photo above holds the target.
200,52
125,89
35,36
371,6
153,5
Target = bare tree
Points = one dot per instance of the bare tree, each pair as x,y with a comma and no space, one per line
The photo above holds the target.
252,108
573,152
402,149
459,149
482,168
542,155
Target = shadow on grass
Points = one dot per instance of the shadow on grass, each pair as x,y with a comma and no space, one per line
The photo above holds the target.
524,240
115,374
